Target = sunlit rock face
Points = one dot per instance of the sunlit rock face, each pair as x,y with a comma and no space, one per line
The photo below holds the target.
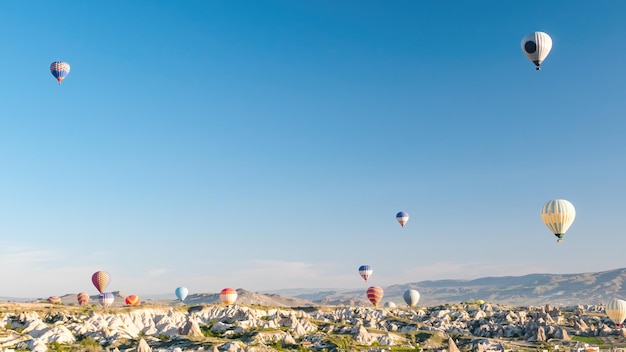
258,328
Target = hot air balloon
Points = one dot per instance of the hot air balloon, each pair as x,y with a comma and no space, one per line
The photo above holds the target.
228,296
106,299
616,311
375,294
54,299
132,300
536,46
83,298
558,215
181,293
390,304
101,280
59,70
365,271
411,297
402,218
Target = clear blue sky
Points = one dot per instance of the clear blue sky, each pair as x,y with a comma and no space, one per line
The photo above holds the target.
269,144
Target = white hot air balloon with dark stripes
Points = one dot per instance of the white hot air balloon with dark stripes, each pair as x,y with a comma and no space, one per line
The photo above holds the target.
558,215
411,297
616,311
106,299
536,46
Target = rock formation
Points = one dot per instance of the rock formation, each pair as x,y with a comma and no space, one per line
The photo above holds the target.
256,328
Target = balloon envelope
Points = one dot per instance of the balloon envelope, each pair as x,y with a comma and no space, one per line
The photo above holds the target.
106,299
228,296
558,215
374,294
181,293
83,298
616,311
132,300
411,297
536,46
390,304
54,299
59,70
365,271
100,279
402,218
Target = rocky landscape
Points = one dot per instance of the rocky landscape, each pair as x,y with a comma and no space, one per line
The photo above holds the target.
533,312
215,327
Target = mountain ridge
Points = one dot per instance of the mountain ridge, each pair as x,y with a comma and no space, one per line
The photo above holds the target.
532,289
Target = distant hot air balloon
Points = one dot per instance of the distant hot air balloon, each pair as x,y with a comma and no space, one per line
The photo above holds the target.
228,296
390,304
411,297
365,271
106,299
54,299
375,294
132,300
536,46
59,70
181,293
83,298
402,218
616,311
101,280
558,215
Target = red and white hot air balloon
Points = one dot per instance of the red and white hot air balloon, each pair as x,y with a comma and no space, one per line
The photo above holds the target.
228,296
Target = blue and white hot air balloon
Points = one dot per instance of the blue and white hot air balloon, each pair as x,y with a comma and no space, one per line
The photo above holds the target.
59,70
402,218
558,215
365,271
106,299
181,293
536,46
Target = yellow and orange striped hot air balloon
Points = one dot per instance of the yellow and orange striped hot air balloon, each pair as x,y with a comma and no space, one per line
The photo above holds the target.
83,298
375,294
228,296
100,280
132,300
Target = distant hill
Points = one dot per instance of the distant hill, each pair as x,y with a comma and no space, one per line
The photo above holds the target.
533,289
